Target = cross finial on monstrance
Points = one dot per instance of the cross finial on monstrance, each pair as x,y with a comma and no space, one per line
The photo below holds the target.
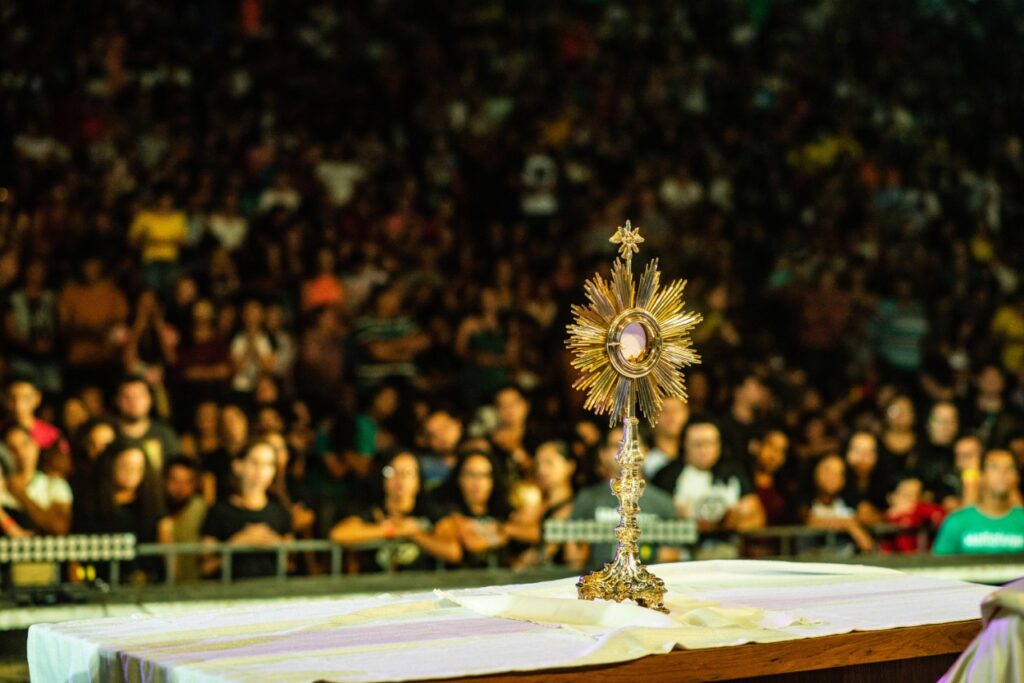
630,345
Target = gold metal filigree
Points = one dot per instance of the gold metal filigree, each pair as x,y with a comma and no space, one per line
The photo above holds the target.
630,344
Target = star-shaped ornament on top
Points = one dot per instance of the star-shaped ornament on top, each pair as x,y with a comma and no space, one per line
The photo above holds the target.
628,238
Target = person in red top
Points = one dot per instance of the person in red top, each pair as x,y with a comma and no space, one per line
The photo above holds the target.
23,399
908,511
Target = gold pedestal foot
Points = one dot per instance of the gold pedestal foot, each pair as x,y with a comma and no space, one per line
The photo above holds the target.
620,581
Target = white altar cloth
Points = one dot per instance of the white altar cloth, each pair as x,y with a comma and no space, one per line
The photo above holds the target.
491,630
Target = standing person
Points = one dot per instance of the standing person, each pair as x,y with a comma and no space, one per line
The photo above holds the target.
204,361
92,313
825,311
387,342
897,330
482,344
44,499
32,330
995,524
156,438
159,233
249,517
251,351
150,348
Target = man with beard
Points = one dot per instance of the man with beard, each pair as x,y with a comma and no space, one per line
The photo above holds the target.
186,512
156,438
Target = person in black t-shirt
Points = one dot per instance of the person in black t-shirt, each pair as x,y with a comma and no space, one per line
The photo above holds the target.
125,498
249,517
405,515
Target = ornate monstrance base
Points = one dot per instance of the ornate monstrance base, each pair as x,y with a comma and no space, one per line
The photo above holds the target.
625,577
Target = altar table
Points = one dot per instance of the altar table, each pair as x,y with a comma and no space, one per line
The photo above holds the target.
797,617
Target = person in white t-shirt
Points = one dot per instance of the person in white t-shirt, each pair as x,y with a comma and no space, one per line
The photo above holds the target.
46,500
828,510
227,225
251,351
707,489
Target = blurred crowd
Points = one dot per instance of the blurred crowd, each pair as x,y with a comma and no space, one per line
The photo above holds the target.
274,270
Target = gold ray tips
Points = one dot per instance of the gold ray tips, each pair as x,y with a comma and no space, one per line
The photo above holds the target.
632,343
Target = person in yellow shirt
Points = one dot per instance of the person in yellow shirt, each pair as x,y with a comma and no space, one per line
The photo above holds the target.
159,233
1008,329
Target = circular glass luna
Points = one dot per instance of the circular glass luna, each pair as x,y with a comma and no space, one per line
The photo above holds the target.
634,343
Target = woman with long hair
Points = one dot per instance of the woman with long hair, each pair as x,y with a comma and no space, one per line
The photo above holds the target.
405,516
480,509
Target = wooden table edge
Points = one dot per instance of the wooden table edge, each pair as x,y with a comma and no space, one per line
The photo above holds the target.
762,659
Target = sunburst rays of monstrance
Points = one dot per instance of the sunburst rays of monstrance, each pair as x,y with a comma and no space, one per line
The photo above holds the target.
630,345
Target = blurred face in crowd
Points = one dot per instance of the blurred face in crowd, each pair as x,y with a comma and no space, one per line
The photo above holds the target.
674,415
443,432
22,400
134,401
92,270
907,494
207,417
830,475
75,414
900,414
252,315
999,476
991,381
385,402
751,393
234,425
943,424
269,421
256,469
129,469
100,436
554,466
512,408
476,480
771,451
180,484
862,453
703,446
280,445
24,449
402,478
606,463
967,453
389,303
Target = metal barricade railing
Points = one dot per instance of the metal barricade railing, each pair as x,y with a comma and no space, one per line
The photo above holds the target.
676,532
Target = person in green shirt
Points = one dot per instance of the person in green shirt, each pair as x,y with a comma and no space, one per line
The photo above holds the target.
995,525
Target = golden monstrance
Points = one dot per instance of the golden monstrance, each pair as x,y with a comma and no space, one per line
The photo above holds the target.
630,344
